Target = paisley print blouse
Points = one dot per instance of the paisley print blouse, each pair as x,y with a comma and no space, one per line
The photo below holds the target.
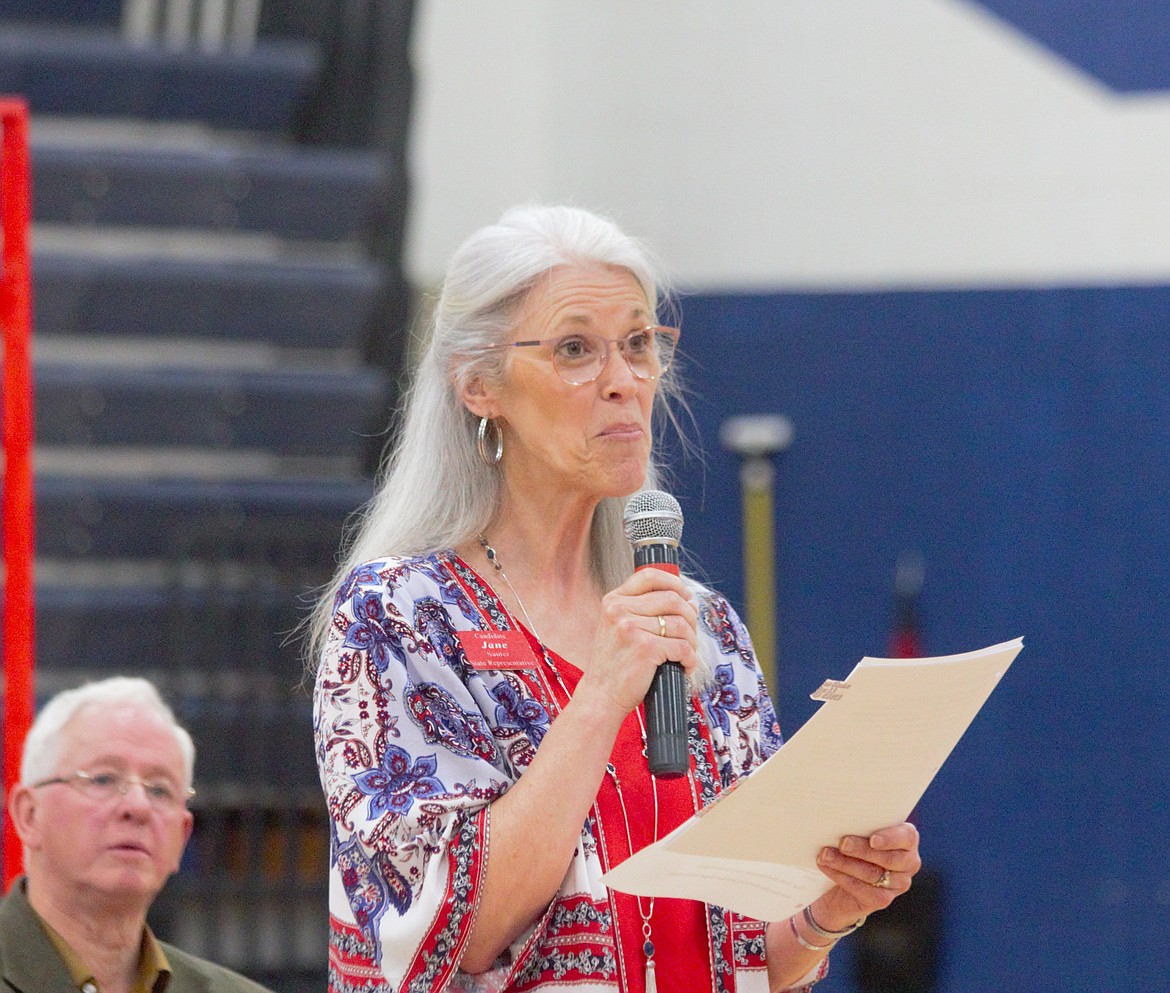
414,741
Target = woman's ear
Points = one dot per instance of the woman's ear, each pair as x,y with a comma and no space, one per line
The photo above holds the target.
477,397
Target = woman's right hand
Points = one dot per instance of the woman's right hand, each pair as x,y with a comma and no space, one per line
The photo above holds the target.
536,825
632,642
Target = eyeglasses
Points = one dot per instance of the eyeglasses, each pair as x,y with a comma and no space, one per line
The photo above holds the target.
579,357
105,787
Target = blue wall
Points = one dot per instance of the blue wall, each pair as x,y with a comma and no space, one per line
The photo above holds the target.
1019,441
1123,43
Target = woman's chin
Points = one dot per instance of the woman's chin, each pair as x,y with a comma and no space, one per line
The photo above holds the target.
628,481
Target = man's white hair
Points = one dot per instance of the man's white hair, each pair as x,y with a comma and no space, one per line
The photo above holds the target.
42,747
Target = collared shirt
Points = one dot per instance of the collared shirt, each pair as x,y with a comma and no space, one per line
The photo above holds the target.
154,971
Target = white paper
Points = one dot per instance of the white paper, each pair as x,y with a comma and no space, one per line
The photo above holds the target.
860,763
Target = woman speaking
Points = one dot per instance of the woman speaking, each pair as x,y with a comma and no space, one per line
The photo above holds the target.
486,647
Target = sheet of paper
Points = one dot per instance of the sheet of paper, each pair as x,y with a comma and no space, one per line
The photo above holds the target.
861,762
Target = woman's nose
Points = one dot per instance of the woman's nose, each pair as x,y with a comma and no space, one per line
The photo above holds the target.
618,374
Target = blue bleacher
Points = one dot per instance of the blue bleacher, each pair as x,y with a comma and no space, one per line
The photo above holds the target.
323,194
106,13
292,525
64,70
285,302
219,314
97,629
286,412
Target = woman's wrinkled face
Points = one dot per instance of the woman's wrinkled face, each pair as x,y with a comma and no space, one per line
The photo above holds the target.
590,440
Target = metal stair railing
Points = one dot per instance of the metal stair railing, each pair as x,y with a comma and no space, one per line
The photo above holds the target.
210,25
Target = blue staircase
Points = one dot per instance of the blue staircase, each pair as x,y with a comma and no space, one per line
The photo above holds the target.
64,69
219,314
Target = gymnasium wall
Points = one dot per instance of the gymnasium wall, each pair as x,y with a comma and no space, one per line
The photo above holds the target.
934,234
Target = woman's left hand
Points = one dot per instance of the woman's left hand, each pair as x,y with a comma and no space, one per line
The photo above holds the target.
868,872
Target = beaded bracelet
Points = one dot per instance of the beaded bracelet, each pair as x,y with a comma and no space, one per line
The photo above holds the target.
825,932
808,944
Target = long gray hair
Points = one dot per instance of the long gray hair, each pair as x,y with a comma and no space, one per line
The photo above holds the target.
435,492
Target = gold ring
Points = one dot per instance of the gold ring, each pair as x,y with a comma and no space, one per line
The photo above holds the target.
661,626
883,880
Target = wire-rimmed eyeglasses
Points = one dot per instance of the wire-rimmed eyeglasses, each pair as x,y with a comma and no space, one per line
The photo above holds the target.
104,787
580,356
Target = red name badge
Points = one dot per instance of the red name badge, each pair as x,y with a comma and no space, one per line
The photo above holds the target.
497,649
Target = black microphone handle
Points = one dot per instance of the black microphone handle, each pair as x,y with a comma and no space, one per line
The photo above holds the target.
666,722
666,700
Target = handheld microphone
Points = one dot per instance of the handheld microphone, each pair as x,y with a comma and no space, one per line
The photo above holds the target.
653,525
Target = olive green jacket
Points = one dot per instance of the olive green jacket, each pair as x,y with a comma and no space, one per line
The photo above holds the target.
30,964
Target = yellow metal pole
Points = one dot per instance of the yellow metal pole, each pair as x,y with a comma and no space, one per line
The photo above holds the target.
756,438
759,555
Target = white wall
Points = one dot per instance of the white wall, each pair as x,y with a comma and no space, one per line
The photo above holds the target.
789,143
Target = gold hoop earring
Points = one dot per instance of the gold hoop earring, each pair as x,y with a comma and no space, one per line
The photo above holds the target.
481,443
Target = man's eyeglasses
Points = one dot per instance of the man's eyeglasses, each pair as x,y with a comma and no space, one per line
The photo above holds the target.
106,787
579,357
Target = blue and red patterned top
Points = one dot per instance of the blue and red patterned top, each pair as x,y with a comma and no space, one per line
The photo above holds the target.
414,742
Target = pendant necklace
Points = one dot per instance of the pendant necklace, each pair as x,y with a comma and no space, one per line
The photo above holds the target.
646,915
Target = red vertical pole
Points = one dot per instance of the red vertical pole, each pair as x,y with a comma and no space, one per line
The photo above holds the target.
16,513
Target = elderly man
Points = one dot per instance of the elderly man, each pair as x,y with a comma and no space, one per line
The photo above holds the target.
102,811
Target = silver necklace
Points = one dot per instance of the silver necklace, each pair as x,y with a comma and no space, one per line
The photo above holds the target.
494,561
646,915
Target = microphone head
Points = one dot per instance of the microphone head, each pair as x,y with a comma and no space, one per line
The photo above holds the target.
653,517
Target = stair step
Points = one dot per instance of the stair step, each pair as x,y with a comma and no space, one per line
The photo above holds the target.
208,631
218,184
171,462
286,412
225,655
285,301
65,70
104,12
286,524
